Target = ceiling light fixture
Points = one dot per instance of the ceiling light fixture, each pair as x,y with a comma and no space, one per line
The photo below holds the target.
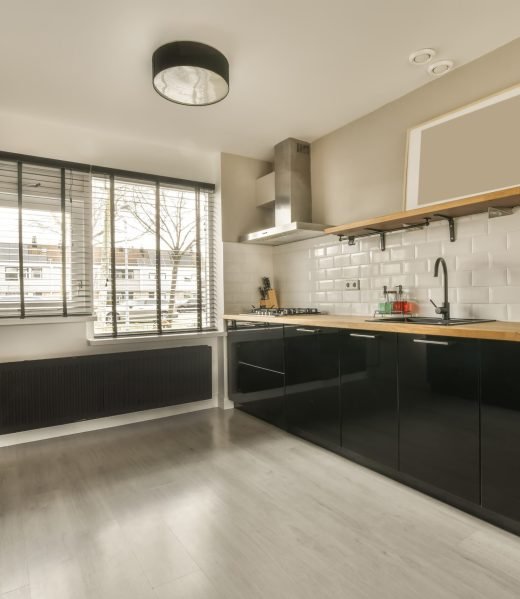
190,73
440,67
423,56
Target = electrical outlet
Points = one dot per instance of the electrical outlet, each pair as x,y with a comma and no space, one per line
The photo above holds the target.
352,284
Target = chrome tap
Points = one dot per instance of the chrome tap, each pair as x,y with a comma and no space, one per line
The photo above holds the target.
444,310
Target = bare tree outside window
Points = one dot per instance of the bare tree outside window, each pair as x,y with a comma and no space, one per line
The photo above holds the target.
139,227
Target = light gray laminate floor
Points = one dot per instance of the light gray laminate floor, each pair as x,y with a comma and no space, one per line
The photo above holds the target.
219,505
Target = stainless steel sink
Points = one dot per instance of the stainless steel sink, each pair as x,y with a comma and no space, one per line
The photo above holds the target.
428,320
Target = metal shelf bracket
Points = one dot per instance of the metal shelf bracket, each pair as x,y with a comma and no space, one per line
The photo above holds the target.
451,225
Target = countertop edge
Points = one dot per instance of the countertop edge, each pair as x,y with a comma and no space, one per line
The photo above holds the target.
491,331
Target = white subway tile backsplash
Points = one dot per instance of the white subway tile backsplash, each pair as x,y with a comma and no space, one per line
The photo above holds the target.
326,285
428,250
402,253
471,226
377,256
369,270
457,247
505,224
508,259
513,275
513,312
370,243
505,295
407,281
334,273
392,268
473,295
348,249
414,237
415,266
334,296
483,265
513,240
489,243
351,272
427,280
489,277
437,232
460,278
492,311
326,262
342,260
360,258
473,261
244,267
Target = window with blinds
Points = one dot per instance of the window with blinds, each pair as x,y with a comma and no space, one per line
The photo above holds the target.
153,255
45,236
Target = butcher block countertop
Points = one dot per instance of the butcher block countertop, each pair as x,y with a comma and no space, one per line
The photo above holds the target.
498,330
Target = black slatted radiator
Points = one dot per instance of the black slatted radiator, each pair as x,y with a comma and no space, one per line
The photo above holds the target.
42,393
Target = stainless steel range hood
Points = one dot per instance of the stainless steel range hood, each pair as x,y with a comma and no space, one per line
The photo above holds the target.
292,205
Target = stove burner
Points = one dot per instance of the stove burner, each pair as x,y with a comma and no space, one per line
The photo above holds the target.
284,311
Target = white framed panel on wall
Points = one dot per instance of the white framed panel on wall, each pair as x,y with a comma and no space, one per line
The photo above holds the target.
468,151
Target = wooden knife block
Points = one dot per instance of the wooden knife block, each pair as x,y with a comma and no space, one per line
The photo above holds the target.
271,301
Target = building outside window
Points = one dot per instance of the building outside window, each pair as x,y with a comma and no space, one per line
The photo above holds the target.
131,250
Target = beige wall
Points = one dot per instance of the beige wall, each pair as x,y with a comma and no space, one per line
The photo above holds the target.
358,170
239,212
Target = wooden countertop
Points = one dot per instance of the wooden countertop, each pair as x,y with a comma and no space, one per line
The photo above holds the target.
498,330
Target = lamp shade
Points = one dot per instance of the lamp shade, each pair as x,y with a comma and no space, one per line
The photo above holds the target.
190,73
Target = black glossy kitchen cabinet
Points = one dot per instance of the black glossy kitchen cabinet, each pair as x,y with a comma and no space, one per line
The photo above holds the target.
368,366
439,413
256,372
500,440
312,383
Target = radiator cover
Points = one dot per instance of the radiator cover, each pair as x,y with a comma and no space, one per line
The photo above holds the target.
41,393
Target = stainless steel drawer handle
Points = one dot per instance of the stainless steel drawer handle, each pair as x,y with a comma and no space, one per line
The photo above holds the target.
431,342
361,335
308,330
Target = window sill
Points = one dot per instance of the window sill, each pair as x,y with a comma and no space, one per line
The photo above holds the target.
167,339
34,320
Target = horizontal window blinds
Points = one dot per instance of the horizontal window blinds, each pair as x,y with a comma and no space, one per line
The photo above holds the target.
154,256
45,255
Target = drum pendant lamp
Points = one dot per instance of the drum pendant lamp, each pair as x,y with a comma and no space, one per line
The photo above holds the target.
190,73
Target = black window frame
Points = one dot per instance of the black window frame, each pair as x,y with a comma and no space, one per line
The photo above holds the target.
21,160
112,173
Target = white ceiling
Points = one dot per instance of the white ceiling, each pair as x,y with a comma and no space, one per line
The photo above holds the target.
299,68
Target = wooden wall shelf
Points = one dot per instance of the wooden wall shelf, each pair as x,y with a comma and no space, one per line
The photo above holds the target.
420,217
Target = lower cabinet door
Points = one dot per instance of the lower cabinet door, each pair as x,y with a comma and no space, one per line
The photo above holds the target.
368,366
256,372
439,413
501,428
312,383
261,393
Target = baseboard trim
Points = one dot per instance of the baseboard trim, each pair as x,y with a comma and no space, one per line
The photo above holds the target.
84,426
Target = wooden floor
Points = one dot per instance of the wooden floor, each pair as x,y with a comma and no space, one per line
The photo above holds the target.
218,505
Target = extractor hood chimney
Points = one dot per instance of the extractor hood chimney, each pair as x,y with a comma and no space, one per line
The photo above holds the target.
292,205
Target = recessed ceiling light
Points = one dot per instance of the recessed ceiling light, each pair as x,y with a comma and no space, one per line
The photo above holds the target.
422,56
440,67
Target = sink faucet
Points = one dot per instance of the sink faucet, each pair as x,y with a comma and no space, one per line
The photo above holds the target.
444,310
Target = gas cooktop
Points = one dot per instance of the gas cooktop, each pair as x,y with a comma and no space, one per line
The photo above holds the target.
283,311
